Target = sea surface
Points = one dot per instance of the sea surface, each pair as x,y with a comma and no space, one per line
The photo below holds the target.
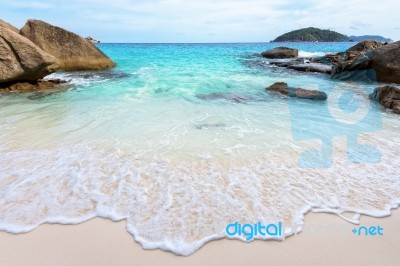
181,140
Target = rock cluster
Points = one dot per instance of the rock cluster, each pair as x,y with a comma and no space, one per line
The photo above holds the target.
92,40
71,51
22,60
380,61
39,49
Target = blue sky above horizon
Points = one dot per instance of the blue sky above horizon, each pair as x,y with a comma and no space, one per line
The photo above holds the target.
207,20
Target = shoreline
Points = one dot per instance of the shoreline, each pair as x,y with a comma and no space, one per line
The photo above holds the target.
104,242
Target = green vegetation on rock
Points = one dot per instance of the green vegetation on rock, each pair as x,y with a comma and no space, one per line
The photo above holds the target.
312,35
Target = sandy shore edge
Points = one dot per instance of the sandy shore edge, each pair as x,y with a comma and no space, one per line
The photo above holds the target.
327,239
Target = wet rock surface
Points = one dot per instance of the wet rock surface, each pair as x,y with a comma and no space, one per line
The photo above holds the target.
283,88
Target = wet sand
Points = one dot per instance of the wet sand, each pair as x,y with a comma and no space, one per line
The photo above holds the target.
326,240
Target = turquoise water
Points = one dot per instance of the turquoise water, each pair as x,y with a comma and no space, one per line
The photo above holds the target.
182,139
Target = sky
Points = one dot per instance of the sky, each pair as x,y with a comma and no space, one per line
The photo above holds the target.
192,21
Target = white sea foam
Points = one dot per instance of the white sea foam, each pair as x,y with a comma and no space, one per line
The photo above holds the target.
311,54
178,205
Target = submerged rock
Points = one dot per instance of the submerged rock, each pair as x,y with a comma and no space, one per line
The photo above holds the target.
283,88
387,96
281,52
106,74
22,60
232,97
208,126
71,51
32,86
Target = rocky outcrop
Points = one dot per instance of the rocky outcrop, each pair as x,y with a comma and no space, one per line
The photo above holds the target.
380,61
387,96
281,52
8,26
283,88
21,60
71,51
355,58
92,40
385,61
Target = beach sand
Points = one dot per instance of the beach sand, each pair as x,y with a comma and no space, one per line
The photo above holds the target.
326,240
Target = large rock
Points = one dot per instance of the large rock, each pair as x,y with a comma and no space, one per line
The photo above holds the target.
22,60
385,61
72,51
387,96
380,61
355,58
8,26
283,88
364,46
281,52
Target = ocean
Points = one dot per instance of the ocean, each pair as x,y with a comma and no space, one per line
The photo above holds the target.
181,140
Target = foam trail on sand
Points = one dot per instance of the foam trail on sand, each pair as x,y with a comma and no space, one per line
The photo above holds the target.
178,205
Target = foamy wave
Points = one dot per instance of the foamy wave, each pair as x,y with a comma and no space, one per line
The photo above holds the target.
311,54
179,205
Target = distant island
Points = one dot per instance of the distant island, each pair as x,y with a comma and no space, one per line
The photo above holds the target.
370,37
312,34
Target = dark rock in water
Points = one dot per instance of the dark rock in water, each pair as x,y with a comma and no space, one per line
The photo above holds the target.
71,51
22,60
33,85
387,96
207,126
281,52
283,88
365,76
232,97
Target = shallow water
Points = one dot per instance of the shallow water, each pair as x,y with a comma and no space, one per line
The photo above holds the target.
182,139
